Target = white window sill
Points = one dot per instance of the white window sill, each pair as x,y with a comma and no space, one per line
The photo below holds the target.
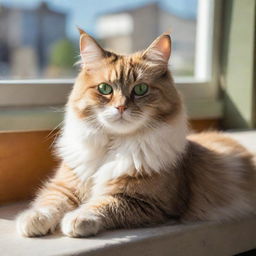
198,239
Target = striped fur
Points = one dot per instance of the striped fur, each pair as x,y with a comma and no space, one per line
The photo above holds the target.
138,168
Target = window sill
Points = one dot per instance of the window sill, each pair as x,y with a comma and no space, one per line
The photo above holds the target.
30,118
22,93
205,238
38,104
47,118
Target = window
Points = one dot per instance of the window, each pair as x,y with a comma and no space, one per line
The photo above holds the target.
39,46
39,39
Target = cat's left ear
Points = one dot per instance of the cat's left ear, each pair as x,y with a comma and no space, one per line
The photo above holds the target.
160,49
90,51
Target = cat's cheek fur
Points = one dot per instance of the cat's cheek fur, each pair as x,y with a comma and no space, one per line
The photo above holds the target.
81,223
37,222
79,146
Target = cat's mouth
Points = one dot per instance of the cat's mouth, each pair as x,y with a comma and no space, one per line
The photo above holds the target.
122,123
121,119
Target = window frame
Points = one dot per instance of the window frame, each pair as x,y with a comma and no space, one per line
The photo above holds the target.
24,98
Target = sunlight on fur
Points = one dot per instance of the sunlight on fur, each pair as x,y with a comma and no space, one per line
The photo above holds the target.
126,157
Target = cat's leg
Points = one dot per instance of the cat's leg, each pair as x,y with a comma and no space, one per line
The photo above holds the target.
53,201
109,212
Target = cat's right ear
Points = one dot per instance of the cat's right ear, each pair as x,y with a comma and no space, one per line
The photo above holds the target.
90,51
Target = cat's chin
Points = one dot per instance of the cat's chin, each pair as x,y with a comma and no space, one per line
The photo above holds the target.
122,126
115,123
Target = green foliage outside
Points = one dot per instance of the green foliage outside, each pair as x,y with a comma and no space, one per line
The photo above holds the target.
63,54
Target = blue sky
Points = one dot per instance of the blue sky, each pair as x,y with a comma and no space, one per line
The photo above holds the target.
83,12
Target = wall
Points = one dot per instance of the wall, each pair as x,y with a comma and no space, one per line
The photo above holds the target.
238,64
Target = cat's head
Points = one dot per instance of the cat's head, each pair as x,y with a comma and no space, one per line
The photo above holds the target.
125,93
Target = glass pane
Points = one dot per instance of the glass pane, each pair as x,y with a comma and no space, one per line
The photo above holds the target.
39,39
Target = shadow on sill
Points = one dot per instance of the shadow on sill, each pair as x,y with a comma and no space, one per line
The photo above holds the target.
248,253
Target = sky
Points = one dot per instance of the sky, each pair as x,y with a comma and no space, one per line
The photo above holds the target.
83,12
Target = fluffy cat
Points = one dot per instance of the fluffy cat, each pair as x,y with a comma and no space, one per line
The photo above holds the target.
127,160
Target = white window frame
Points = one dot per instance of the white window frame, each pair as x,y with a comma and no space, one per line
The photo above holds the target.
32,104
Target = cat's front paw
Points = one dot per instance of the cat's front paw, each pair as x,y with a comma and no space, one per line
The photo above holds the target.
80,224
36,222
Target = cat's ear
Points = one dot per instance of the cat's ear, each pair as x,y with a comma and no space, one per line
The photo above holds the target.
160,49
90,51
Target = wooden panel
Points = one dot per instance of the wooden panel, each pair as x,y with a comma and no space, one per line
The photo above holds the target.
25,160
206,124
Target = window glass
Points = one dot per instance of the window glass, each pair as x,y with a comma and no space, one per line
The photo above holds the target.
39,39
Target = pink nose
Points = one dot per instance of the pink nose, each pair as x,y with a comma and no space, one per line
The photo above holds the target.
121,109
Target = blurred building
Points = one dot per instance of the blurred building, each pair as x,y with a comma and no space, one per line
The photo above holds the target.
129,30
26,36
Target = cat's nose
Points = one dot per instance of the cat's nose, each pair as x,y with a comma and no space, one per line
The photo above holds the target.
121,109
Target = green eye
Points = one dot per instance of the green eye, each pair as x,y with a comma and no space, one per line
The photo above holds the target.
140,89
105,89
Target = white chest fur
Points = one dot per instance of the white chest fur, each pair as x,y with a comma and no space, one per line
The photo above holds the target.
92,153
